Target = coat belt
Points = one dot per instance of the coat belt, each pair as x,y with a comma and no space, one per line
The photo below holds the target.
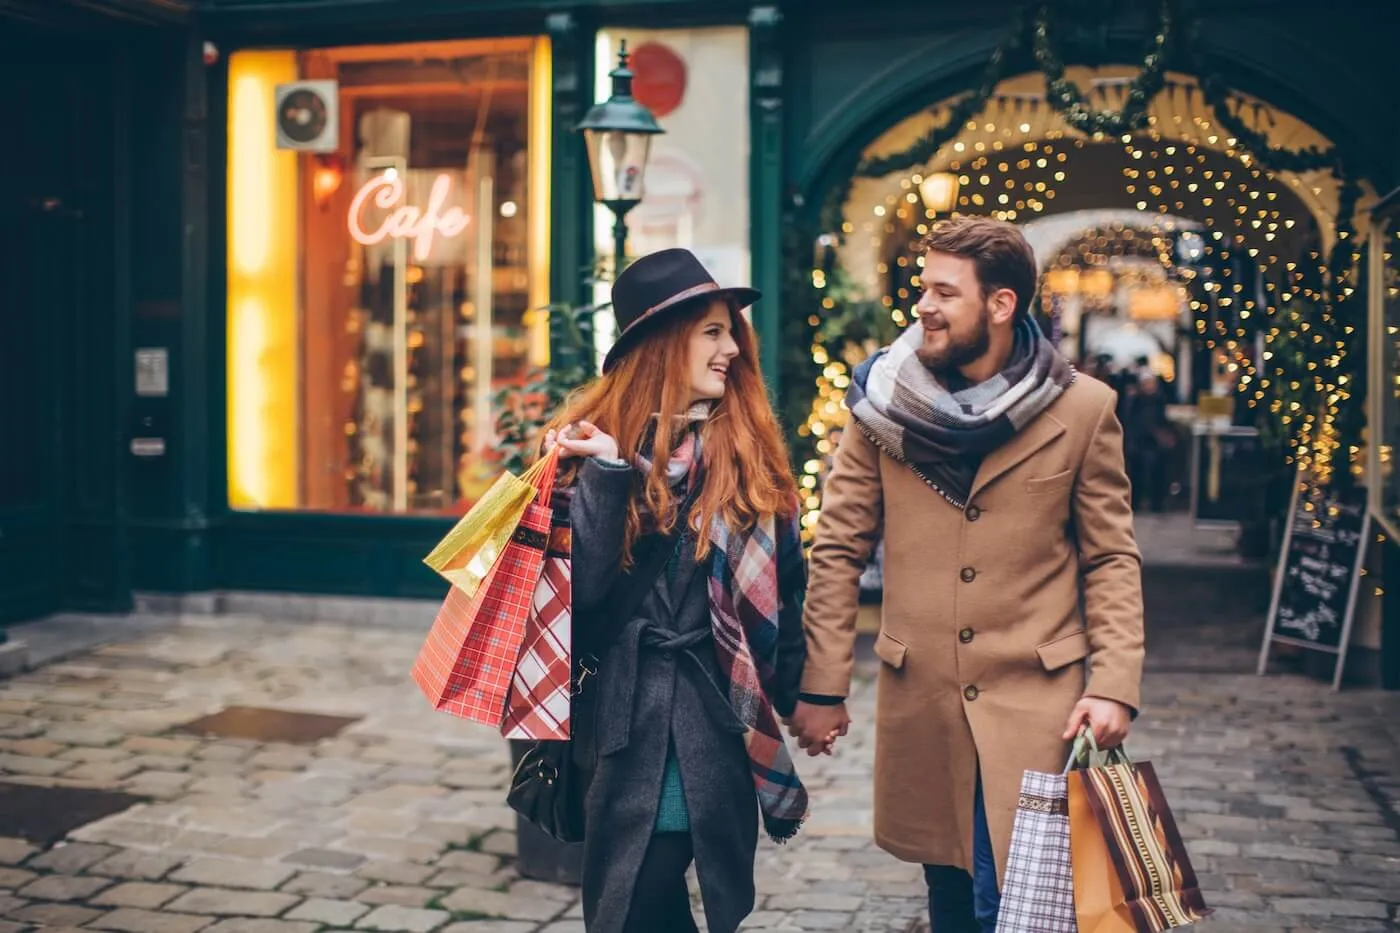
646,635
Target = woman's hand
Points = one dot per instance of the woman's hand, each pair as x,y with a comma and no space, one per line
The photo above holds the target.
585,440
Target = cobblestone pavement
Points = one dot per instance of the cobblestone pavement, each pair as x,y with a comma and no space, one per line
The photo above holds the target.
1286,794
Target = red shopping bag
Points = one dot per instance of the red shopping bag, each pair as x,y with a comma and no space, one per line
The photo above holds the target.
542,688
466,663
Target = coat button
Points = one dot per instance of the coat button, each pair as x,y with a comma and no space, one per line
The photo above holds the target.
968,575
965,635
973,513
970,693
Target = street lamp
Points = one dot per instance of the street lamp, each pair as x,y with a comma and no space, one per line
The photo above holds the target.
939,191
618,134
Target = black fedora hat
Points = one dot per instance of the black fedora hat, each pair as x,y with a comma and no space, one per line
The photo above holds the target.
654,287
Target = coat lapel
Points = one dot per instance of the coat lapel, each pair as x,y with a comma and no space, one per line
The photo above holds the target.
1030,439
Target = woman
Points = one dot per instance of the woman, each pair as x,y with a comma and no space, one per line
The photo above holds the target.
677,480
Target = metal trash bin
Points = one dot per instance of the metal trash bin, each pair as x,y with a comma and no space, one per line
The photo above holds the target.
538,855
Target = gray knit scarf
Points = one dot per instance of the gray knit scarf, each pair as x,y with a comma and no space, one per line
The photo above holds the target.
943,434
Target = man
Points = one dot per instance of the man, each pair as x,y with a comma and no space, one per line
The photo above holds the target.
1147,442
996,480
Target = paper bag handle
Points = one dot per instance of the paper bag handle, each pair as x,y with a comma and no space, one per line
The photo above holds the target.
541,475
1086,748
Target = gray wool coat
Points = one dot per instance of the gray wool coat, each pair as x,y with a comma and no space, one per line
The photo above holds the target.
660,682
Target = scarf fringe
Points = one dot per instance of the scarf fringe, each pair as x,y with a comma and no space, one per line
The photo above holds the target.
780,830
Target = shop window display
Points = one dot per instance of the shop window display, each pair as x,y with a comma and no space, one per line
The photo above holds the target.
388,250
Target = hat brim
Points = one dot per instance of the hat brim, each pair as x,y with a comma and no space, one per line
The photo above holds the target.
740,297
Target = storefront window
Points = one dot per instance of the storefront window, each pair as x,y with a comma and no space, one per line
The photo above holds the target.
387,268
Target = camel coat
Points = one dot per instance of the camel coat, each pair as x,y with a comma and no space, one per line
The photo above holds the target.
984,643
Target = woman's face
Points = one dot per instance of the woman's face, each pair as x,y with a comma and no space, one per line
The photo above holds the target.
712,348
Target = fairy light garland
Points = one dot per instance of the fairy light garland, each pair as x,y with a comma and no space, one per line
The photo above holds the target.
1308,372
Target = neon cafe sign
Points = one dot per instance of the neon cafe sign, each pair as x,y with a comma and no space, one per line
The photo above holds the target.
406,221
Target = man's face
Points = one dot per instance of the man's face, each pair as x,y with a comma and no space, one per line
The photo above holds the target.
955,315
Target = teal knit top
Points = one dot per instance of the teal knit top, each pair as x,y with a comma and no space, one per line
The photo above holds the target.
672,815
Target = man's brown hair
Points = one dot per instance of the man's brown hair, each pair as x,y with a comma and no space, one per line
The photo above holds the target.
998,250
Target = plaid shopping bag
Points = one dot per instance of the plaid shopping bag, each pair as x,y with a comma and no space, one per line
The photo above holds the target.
542,688
1131,871
466,663
1038,890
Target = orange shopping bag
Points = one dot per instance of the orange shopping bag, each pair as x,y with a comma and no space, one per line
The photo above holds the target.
1131,870
466,663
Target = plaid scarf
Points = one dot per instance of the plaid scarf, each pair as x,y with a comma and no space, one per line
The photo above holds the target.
745,602
942,434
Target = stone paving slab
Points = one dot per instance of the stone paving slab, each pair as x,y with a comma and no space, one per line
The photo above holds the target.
1285,792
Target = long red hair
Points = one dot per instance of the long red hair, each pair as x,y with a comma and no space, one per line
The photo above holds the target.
744,459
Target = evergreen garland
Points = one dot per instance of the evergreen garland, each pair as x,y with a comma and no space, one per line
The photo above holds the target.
1069,102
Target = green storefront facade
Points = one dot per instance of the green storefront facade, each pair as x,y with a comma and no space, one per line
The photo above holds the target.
119,232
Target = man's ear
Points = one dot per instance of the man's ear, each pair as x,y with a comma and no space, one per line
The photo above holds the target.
1003,305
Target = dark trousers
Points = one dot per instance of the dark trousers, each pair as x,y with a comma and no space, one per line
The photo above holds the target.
963,903
660,899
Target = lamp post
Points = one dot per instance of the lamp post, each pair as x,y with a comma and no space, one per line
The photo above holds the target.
618,135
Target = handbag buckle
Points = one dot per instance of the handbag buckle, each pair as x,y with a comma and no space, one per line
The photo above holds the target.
587,667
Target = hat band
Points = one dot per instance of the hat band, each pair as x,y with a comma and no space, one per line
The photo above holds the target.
694,291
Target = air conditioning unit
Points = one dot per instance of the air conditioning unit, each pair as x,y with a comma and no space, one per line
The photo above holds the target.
308,116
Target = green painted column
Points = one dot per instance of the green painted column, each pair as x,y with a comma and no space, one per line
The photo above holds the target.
571,214
171,421
766,188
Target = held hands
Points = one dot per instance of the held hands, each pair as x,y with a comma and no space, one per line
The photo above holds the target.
1109,720
581,440
818,727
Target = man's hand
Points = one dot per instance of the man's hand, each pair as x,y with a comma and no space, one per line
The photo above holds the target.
1109,720
817,727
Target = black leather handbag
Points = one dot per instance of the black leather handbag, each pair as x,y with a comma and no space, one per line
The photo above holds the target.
549,786
548,789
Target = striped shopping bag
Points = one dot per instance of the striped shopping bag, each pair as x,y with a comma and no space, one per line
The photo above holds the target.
542,688
466,663
1131,870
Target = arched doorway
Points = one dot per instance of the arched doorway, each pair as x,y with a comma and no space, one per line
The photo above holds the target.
1210,250
1247,253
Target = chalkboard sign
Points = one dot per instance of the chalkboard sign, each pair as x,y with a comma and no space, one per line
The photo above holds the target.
1319,569
1226,464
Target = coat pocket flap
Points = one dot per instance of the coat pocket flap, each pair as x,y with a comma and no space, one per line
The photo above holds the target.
890,650
1047,484
1064,650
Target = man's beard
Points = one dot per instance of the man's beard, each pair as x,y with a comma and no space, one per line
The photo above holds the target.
959,351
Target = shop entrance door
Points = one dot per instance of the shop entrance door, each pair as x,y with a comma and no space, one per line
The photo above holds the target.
38,293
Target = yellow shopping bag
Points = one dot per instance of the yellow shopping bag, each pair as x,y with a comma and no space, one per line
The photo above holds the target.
475,543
